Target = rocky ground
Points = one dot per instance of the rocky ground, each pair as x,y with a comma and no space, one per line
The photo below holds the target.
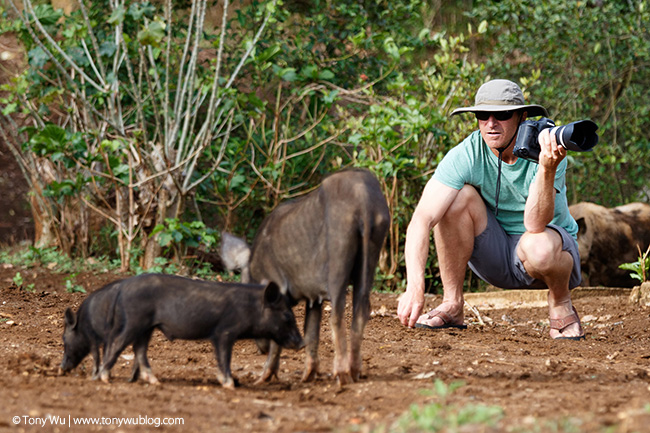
596,385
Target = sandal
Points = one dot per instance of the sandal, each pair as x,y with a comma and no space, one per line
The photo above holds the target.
560,324
446,321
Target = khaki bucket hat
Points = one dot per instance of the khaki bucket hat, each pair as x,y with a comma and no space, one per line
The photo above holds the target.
501,95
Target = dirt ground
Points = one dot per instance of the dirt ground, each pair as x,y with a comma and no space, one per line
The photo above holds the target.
597,385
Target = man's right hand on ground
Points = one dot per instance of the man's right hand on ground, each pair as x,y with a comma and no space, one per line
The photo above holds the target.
410,307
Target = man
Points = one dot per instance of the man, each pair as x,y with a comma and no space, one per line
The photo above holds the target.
506,217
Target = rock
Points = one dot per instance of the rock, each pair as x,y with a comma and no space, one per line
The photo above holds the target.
641,295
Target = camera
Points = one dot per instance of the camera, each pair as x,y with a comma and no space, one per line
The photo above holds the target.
579,136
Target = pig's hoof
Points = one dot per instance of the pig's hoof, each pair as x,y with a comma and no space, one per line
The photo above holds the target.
343,379
308,376
266,376
105,377
261,380
311,369
149,377
229,385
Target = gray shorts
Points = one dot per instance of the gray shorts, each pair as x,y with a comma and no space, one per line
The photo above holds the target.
495,259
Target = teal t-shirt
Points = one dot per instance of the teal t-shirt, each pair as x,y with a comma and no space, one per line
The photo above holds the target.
473,163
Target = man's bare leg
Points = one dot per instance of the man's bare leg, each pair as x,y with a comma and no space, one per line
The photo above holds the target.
543,258
454,239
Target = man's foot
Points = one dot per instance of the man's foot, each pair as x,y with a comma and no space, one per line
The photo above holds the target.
440,319
567,327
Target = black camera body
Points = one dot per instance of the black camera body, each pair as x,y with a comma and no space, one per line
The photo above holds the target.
578,136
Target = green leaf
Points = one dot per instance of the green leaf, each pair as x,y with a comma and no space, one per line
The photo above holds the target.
269,53
287,74
391,47
138,10
164,239
330,97
325,75
107,48
47,15
152,34
117,17
309,72
9,108
122,169
37,57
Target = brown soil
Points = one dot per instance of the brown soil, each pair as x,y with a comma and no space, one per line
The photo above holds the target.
541,385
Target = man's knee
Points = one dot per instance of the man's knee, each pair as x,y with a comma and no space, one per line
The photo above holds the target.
467,201
540,249
467,210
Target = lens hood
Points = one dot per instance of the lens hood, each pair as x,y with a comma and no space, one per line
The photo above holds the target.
578,136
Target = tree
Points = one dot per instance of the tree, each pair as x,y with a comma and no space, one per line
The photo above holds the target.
130,110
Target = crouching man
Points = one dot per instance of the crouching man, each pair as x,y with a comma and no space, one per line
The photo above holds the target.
507,217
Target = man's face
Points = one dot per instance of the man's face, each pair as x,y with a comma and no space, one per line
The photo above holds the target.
498,133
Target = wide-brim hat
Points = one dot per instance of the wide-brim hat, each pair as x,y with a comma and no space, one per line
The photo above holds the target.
501,95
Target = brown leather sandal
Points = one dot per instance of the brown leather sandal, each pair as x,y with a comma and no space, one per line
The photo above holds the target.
446,321
560,324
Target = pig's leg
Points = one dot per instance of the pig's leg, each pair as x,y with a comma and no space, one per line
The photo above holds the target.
223,352
313,314
114,347
272,363
135,371
262,345
97,361
337,323
360,315
141,365
363,280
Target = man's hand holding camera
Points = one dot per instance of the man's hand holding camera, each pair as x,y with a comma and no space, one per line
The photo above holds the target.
551,153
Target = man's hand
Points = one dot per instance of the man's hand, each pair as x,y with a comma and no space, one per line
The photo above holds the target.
410,307
551,153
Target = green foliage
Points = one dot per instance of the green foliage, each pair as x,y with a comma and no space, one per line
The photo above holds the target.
161,265
589,57
19,282
446,416
191,234
639,269
70,285
123,121
32,257
18,279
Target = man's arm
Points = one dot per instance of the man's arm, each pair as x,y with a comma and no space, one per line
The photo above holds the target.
436,199
540,205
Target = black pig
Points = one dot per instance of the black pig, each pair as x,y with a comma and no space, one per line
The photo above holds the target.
188,309
314,247
86,331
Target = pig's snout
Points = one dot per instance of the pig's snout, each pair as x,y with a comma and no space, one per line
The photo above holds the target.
296,342
65,366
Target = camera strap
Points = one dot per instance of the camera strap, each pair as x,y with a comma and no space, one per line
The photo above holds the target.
496,198
501,150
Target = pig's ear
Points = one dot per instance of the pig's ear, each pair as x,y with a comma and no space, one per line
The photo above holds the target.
272,294
582,225
70,318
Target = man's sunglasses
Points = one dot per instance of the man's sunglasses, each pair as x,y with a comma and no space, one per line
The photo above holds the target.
499,115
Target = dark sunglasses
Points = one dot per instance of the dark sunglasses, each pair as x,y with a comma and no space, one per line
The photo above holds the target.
499,115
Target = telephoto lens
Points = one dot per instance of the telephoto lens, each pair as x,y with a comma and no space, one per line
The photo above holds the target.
579,136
